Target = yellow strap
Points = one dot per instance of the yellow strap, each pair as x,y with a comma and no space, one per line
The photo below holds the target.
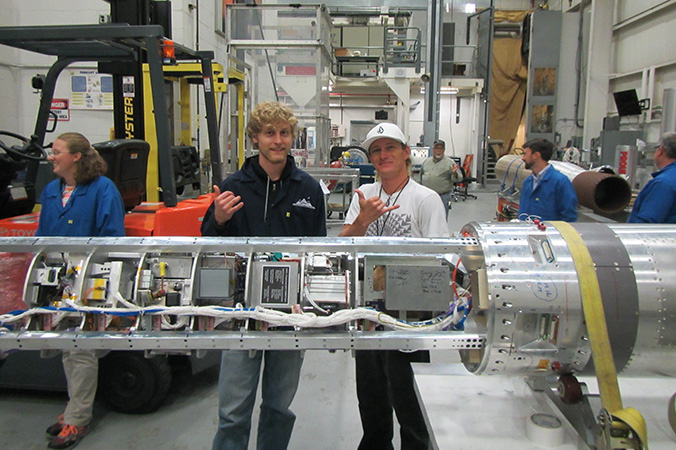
634,420
606,374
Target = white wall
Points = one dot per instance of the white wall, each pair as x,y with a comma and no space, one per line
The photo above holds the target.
644,57
458,136
193,26
640,56
626,9
17,67
567,77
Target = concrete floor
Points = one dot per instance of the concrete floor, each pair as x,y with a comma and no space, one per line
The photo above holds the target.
326,403
325,406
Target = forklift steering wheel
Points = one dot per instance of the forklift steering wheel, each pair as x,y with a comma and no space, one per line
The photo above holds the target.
29,149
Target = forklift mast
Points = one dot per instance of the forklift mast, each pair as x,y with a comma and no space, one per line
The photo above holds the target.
128,117
127,46
128,81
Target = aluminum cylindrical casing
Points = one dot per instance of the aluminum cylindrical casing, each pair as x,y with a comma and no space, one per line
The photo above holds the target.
530,305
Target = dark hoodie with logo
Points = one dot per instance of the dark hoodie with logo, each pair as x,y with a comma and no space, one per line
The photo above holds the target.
290,206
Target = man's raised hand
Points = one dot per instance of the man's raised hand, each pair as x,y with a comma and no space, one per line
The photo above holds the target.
225,205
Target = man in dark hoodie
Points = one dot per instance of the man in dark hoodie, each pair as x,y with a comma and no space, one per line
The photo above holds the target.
268,196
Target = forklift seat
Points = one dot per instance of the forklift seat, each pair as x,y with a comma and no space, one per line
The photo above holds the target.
127,161
187,167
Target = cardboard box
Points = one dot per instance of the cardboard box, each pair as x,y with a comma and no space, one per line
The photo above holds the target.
341,52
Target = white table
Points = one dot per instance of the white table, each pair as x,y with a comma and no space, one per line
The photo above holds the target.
468,412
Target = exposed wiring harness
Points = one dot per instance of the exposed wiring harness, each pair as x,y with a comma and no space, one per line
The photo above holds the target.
272,317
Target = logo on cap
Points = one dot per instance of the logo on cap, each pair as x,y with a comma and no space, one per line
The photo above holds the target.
380,130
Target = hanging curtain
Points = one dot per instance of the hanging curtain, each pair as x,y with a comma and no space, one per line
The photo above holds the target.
509,85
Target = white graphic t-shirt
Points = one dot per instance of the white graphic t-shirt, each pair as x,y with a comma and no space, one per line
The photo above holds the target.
420,213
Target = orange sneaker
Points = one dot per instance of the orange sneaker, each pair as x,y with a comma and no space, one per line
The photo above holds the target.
55,428
69,436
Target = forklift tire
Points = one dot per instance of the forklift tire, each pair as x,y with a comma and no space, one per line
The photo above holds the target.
133,384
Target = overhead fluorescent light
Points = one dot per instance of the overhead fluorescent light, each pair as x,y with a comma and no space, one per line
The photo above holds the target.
448,90
470,8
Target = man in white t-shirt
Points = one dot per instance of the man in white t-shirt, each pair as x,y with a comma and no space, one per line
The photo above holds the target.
395,205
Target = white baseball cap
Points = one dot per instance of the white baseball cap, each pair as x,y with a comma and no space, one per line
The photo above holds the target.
384,130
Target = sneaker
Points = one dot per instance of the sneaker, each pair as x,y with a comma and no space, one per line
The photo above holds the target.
55,429
69,436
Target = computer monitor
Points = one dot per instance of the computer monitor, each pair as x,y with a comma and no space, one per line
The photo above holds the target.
627,103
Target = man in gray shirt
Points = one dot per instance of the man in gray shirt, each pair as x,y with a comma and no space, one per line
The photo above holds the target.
440,172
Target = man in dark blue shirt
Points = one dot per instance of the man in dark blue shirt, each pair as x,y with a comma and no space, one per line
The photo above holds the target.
546,194
268,196
657,201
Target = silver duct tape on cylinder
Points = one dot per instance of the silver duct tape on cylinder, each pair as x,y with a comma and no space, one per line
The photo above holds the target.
601,192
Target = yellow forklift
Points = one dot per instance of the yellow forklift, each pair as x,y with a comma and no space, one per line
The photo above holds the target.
140,58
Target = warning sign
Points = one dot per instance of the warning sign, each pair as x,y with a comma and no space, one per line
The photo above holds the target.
60,109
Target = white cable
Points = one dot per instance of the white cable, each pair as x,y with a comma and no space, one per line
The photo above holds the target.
270,316
306,293
124,301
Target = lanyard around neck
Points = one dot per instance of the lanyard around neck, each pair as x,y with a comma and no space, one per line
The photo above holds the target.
380,231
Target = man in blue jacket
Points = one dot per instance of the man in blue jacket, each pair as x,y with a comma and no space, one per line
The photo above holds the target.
546,194
657,201
268,196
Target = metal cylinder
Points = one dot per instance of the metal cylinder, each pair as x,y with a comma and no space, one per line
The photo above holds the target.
530,306
521,309
601,192
510,171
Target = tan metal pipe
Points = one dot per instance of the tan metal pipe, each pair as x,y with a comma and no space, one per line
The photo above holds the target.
601,192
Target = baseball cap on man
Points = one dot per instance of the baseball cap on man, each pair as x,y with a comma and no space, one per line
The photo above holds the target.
384,130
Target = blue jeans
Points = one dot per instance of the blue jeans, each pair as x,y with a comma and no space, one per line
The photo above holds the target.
446,198
237,387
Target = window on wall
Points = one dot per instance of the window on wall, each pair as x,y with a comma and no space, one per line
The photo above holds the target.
220,15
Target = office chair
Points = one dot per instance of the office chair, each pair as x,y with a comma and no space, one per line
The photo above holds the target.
460,187
455,196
